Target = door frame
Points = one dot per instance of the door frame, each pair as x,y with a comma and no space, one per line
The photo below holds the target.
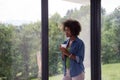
95,9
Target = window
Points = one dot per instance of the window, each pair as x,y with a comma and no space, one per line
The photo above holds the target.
58,12
20,40
110,53
20,50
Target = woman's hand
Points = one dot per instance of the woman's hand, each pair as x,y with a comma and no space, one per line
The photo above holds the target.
64,51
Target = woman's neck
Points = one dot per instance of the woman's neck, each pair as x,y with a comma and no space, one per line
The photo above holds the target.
72,38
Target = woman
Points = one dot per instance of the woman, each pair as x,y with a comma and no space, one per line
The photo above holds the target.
73,54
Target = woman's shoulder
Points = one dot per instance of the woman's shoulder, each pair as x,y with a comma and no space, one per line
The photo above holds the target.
79,40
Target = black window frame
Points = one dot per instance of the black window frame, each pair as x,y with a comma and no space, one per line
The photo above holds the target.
95,27
95,39
44,24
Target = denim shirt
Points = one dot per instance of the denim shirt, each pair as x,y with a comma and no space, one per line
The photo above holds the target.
77,48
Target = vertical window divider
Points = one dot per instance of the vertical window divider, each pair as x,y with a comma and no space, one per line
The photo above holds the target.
95,39
44,23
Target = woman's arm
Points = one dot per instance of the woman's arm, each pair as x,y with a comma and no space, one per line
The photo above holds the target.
68,54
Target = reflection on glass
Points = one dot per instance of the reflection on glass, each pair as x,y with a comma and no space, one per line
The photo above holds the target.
110,53
58,12
20,51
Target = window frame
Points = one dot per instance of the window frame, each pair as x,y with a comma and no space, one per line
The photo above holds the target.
44,24
95,39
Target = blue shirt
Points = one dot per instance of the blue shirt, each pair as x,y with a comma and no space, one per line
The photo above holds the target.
77,48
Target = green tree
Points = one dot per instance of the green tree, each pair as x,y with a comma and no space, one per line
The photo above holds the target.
26,45
55,39
110,38
116,30
5,51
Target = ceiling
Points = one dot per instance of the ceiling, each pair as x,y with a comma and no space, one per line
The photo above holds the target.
80,1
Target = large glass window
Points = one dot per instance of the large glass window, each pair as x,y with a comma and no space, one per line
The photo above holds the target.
110,54
58,12
20,40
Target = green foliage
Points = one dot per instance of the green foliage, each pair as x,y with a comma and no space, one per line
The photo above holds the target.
111,38
19,46
5,51
26,45
79,14
55,39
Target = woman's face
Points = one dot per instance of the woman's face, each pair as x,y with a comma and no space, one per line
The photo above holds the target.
67,32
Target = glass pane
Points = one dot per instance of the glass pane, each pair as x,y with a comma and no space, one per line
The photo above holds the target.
60,11
20,40
110,53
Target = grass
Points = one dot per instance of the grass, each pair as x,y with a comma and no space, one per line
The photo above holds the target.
111,71
58,77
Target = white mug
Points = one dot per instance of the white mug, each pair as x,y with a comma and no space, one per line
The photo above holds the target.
64,45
